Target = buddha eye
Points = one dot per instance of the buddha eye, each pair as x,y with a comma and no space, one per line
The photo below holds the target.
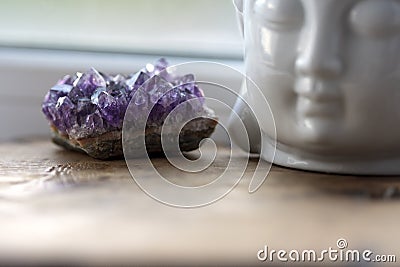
376,18
280,14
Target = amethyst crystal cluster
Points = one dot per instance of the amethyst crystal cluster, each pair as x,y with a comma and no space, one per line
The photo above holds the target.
86,110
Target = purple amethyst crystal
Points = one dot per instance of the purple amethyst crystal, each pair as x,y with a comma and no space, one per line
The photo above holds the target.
86,110
90,81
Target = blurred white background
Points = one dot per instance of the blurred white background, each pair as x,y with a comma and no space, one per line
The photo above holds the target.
42,40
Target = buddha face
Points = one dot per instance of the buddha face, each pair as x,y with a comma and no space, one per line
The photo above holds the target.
330,70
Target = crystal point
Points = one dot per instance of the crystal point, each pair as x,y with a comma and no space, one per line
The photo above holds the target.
90,81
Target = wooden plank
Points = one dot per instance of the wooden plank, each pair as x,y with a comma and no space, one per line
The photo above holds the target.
60,205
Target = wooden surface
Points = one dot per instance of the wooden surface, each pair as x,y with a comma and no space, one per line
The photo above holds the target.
60,205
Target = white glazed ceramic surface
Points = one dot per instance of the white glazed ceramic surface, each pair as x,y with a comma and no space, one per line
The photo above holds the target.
331,72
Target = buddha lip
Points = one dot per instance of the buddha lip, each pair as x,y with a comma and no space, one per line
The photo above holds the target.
317,91
318,98
309,108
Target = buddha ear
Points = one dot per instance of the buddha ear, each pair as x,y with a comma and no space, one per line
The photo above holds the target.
239,13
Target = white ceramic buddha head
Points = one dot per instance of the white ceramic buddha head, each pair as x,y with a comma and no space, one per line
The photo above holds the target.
330,70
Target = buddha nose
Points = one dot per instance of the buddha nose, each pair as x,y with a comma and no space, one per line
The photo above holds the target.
319,53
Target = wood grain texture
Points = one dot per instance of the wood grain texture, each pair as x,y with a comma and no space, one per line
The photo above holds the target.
65,206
